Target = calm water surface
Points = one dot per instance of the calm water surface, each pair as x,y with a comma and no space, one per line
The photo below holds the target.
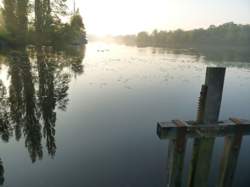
89,119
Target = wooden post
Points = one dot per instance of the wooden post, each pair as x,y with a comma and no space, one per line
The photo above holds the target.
205,129
203,148
230,156
176,155
215,82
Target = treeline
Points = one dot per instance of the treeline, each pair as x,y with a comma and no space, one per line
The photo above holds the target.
228,34
39,22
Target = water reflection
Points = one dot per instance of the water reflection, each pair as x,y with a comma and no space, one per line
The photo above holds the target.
109,113
4,114
216,54
227,170
39,82
1,172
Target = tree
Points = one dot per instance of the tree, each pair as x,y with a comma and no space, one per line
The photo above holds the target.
22,20
228,34
47,28
77,27
38,20
15,14
9,9
47,19
143,39
77,22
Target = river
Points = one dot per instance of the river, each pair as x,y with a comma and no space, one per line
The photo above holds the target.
89,119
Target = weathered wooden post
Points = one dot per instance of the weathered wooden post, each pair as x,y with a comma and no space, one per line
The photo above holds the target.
203,148
205,129
230,155
215,82
176,155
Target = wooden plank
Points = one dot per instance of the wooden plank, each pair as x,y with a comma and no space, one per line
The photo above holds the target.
180,123
230,155
168,130
201,162
229,161
214,81
176,155
238,121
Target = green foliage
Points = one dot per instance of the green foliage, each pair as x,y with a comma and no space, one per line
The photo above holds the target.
15,17
50,30
77,22
22,20
62,35
143,39
228,34
10,16
46,29
77,30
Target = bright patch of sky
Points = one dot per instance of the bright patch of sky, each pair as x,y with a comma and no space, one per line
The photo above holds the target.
115,17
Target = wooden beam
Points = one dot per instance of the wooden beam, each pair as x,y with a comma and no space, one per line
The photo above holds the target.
169,130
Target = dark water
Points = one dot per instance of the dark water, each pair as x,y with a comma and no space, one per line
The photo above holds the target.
88,118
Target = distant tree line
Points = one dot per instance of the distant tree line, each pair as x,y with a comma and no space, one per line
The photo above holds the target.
39,22
228,34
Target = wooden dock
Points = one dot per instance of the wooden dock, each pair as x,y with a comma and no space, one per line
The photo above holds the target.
204,130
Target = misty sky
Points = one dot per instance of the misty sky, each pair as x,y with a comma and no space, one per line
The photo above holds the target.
131,16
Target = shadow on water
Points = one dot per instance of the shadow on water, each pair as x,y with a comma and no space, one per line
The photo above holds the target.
38,86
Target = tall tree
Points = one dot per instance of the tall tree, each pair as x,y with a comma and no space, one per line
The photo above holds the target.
38,19
46,14
48,17
15,14
9,14
77,29
22,20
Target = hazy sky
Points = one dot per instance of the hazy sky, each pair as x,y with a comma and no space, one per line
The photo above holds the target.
131,16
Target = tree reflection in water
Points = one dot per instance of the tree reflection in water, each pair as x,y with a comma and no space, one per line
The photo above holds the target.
38,86
1,172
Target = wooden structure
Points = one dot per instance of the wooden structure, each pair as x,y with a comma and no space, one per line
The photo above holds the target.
204,131
189,129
